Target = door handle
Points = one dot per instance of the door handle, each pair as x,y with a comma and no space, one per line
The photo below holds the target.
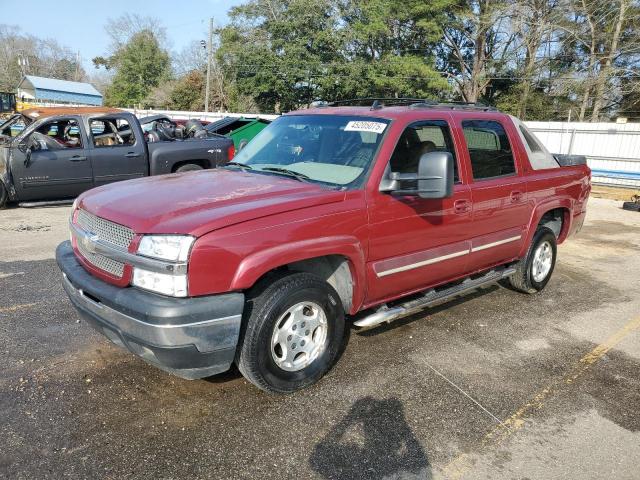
461,206
516,196
132,155
78,158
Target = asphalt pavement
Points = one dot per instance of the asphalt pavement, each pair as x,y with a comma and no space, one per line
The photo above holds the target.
496,385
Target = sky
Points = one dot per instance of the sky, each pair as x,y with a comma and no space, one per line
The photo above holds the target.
80,25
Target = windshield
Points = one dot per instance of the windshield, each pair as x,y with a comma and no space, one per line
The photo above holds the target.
332,149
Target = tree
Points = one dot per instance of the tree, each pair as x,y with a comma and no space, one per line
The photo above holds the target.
476,45
188,92
606,34
286,53
140,65
46,58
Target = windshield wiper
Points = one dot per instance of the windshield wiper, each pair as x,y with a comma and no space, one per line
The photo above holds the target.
290,173
238,164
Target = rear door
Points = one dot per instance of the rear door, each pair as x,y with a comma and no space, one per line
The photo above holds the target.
118,150
501,211
58,167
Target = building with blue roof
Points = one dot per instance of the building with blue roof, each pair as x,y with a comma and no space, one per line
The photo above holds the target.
52,90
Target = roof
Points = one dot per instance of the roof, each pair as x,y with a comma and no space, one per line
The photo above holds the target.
42,83
395,112
37,113
153,118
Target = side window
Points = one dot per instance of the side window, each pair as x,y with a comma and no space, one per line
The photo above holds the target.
421,138
58,134
111,132
13,128
489,149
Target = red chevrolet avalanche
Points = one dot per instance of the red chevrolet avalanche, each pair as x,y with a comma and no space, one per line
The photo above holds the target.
329,212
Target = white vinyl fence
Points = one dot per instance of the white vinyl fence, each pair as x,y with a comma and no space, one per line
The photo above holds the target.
612,149
203,116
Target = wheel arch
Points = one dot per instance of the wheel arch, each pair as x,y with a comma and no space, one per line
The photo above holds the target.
338,261
203,162
555,215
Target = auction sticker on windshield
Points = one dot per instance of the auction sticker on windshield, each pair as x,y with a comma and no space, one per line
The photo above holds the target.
362,126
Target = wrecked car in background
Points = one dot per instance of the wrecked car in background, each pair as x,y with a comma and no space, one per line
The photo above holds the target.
57,153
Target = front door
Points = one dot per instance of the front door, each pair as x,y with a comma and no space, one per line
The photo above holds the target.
414,242
118,154
58,166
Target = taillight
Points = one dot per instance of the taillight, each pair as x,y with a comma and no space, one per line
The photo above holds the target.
231,152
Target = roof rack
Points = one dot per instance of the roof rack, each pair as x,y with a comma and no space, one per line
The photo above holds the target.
377,103
456,106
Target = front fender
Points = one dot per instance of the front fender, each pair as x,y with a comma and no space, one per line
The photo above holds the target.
258,264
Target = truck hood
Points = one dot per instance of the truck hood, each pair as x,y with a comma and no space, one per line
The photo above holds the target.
196,203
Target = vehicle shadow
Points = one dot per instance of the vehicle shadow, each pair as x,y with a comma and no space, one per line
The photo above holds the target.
372,441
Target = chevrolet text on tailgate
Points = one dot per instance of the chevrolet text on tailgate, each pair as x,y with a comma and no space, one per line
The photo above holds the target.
329,212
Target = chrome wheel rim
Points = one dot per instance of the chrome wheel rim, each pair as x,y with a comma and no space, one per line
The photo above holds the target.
299,336
542,261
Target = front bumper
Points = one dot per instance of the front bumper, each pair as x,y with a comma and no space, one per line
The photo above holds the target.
189,337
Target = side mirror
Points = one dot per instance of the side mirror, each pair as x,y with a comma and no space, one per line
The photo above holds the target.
434,177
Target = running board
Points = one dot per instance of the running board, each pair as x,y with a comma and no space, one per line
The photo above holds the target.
431,297
48,203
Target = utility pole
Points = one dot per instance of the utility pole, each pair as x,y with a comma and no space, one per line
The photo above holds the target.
77,75
209,49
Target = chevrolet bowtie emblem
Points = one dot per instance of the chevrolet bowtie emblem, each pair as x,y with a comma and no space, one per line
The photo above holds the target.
89,243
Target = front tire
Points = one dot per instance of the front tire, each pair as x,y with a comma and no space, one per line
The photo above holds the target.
535,269
4,196
293,333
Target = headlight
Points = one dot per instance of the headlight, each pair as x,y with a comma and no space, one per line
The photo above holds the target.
173,285
174,248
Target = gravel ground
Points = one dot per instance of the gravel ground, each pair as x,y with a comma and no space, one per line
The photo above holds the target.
494,385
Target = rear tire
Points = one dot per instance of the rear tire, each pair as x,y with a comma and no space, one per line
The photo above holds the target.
292,335
189,167
631,206
4,196
535,269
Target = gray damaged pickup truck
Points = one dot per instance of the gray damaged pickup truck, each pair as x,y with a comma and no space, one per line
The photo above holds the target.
53,154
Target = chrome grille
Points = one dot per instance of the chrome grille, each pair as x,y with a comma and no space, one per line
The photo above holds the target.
111,232
103,263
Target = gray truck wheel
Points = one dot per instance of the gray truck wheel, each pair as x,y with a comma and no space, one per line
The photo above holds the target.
535,269
189,167
4,196
292,333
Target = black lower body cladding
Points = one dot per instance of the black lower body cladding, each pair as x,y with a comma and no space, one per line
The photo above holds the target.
189,337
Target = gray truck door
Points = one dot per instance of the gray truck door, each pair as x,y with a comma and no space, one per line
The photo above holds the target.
118,150
58,167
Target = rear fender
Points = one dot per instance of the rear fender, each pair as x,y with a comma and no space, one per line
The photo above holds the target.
564,203
164,156
255,266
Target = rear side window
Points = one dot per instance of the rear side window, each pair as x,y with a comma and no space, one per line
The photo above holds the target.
489,149
111,132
